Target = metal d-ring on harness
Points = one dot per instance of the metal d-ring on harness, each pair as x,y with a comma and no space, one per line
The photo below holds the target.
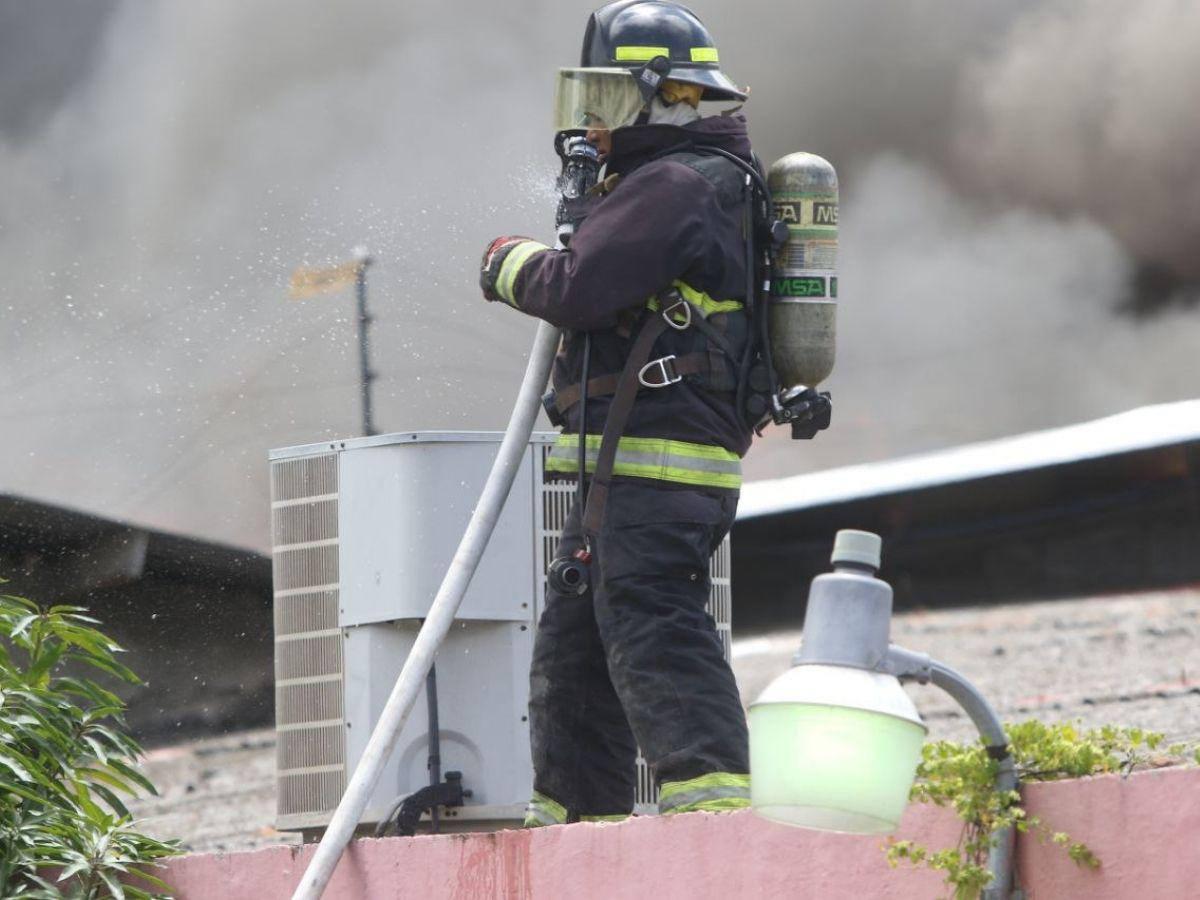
668,313
665,365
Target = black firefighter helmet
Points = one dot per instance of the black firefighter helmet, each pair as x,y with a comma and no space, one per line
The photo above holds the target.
630,33
629,48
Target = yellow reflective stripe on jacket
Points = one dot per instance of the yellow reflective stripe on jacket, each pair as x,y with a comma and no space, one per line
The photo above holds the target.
657,458
618,817
544,811
713,792
511,267
706,304
703,303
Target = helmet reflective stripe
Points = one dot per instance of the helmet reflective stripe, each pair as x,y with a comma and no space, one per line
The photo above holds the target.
705,54
640,54
713,792
660,459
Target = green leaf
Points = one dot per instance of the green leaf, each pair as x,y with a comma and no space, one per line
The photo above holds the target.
74,868
109,665
48,659
12,787
112,800
23,625
113,884
151,879
15,767
133,775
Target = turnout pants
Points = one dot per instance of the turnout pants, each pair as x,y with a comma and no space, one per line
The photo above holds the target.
637,659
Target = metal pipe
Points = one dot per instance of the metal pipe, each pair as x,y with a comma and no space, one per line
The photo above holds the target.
438,621
435,742
366,376
1000,856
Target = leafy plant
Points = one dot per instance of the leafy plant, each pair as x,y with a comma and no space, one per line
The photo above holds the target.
963,777
65,763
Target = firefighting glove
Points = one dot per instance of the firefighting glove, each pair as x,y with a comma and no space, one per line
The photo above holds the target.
498,272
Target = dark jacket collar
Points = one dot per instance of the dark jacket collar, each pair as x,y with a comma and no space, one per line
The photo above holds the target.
635,144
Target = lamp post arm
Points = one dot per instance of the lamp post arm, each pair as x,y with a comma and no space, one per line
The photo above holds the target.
909,665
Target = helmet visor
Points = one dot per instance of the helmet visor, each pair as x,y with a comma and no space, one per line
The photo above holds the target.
595,98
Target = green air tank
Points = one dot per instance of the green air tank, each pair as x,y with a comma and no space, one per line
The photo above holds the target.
804,191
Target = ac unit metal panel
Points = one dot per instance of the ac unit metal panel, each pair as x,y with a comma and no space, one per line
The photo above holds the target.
403,508
482,713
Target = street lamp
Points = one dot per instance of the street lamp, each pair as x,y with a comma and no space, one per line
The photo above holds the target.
835,741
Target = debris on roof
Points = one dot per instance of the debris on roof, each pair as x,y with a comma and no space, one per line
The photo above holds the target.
1129,660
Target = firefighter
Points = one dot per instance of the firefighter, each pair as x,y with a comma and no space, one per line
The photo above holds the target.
650,287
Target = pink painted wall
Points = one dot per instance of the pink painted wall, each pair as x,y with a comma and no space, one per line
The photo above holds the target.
1146,829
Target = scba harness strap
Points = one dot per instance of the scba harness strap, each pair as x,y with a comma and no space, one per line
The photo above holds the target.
614,425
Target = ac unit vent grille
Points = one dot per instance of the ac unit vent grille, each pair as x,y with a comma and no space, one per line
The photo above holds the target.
299,523
314,701
308,476
557,498
310,753
305,567
301,613
310,748
309,658
317,792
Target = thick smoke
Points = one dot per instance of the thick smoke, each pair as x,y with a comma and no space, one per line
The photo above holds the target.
1089,107
159,190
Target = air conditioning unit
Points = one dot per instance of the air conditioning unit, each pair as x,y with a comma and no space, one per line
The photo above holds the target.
362,533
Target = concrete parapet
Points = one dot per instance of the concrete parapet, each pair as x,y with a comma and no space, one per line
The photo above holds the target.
1145,829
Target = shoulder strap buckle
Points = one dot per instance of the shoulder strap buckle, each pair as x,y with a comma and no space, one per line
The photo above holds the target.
664,366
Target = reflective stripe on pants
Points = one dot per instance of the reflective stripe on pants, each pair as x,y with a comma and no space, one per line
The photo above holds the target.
713,792
544,811
660,459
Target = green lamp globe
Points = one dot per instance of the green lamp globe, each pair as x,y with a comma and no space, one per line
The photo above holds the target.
834,748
